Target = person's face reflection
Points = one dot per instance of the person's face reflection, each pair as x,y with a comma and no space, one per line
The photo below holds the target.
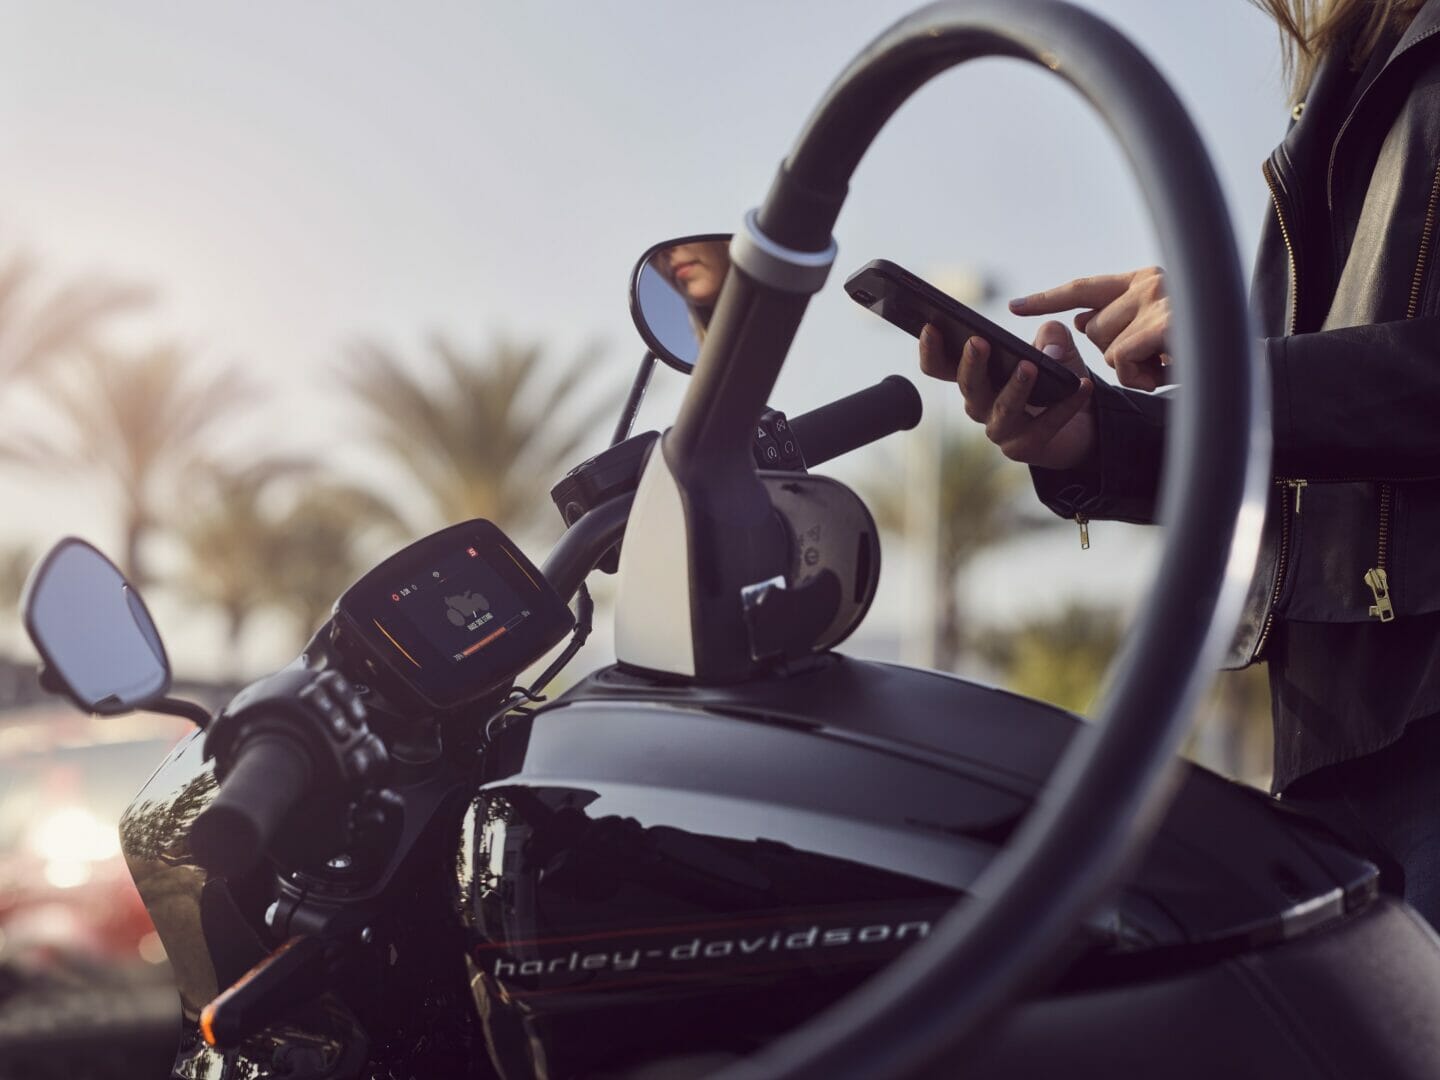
698,270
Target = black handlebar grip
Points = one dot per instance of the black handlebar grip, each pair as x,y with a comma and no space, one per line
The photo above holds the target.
268,778
891,405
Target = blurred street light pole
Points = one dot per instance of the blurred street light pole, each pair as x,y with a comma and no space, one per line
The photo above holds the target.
924,530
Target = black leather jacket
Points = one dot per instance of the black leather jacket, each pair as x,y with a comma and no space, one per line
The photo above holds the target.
1347,296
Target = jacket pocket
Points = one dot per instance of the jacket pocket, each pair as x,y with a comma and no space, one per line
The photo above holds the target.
1351,548
1333,543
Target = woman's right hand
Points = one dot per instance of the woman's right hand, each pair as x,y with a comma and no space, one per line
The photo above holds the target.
1059,437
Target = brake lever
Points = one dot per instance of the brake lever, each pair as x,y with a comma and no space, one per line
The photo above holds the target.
294,973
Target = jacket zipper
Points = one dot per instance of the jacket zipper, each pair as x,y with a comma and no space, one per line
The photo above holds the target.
1281,560
1377,576
1268,170
1427,236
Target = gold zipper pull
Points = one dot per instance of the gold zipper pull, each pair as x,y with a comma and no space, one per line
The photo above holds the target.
1084,523
1299,486
1379,583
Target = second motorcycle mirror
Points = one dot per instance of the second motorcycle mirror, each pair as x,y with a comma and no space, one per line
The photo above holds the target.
673,292
93,631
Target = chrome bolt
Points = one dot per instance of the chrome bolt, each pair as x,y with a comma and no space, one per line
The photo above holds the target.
339,862
272,914
367,935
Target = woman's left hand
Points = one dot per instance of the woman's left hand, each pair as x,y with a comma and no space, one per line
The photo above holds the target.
1127,316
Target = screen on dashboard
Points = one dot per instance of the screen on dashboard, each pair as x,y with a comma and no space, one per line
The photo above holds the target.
457,613
461,606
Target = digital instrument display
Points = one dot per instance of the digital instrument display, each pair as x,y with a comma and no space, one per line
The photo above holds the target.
460,606
457,614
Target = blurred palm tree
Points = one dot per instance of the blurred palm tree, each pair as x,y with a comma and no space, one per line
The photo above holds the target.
1061,658
228,538
328,537
474,430
276,535
15,563
138,420
34,329
984,499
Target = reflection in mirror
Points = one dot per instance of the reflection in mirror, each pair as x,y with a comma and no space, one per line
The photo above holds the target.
675,289
93,631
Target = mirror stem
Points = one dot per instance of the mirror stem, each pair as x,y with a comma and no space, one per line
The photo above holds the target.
632,403
196,713
49,681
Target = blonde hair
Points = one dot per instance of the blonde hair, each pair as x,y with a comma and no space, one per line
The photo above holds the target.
1311,28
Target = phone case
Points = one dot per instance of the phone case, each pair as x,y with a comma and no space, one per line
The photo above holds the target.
910,302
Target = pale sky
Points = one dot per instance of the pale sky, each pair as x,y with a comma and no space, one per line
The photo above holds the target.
290,177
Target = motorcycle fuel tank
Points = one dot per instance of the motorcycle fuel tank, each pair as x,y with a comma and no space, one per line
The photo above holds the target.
656,874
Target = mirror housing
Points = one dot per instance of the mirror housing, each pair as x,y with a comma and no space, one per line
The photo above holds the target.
99,645
673,290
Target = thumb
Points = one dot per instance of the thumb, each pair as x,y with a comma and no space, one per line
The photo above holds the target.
1055,341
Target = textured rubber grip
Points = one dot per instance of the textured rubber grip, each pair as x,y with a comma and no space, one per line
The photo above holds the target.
891,405
268,778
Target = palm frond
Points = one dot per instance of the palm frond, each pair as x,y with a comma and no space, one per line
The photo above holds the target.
139,420
33,331
475,428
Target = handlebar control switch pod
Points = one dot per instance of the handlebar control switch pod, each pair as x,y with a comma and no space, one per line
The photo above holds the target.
776,445
616,470
295,737
612,472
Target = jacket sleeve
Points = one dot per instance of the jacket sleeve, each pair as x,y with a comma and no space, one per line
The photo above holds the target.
1121,479
1361,402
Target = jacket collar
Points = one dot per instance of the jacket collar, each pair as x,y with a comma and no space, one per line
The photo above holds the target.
1423,27
1332,69
1312,142
1425,23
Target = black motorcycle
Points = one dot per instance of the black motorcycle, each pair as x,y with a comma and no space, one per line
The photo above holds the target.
738,851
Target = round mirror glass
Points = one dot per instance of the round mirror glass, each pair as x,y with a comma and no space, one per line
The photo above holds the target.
93,631
673,293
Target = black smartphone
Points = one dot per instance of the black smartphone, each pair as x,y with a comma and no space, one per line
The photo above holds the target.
909,302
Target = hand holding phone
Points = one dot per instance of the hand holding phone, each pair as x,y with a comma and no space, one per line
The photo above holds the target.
1061,436
911,303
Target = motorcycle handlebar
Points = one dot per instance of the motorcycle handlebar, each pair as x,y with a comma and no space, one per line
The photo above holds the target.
269,775
891,405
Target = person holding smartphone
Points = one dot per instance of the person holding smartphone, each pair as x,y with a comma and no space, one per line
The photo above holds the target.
1345,606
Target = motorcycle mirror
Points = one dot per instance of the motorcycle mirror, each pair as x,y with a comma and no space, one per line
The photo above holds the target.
673,289
93,632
